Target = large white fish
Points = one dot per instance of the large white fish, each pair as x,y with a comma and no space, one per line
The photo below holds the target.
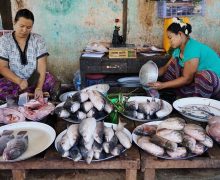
73,133
172,135
99,132
96,99
195,131
87,128
122,136
174,123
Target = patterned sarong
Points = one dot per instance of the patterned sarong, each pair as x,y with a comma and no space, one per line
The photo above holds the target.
8,88
206,83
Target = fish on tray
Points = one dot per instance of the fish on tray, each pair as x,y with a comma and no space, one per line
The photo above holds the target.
85,104
5,137
143,110
16,147
8,116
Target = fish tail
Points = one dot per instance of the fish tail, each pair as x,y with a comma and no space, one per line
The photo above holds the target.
120,125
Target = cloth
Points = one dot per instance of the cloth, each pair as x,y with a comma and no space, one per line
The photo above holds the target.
22,63
206,83
208,58
8,88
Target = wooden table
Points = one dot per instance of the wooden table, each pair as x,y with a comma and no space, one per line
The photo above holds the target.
50,159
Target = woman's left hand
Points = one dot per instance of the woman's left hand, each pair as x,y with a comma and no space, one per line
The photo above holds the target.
157,85
38,94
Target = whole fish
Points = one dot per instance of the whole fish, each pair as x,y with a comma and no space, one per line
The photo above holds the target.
99,132
86,154
122,136
199,149
16,147
172,135
97,149
64,143
96,99
87,128
5,137
207,142
145,144
180,152
164,143
71,106
73,133
117,150
174,123
86,106
108,107
195,131
109,133
145,130
75,154
80,96
62,113
131,106
189,142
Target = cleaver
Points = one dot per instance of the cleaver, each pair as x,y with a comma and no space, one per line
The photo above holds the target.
33,79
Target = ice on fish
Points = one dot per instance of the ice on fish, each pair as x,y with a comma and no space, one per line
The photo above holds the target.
16,147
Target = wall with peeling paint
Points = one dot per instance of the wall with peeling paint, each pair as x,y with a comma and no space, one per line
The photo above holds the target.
68,25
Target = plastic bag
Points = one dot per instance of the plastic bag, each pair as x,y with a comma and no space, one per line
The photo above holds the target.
77,80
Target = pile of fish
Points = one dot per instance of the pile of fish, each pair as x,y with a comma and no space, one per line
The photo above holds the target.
11,146
173,138
93,140
85,104
213,128
8,116
35,110
143,110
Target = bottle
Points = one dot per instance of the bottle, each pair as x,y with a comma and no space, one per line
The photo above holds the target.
1,27
77,80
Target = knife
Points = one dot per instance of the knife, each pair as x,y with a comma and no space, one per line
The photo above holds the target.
33,79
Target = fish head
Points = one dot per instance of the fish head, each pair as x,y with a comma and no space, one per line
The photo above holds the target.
11,154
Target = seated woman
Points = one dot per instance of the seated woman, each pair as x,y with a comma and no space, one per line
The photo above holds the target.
194,68
22,54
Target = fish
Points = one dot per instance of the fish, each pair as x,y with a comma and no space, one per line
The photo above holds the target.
61,112
195,131
87,106
106,147
99,132
172,135
140,115
86,154
207,142
97,149
131,106
180,152
164,143
146,130
75,154
144,107
71,106
174,123
109,146
117,150
61,150
189,142
154,106
122,136
132,114
97,99
96,114
79,115
108,107
64,143
108,133
73,133
80,96
5,137
16,147
87,128
145,144
8,115
199,149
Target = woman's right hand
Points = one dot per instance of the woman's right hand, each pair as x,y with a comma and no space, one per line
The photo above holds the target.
23,84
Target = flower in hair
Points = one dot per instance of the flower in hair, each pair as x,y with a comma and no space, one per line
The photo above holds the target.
186,31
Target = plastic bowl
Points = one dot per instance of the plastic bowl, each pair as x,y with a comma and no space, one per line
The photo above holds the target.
148,73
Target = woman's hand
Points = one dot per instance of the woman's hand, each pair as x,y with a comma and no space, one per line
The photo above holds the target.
23,84
38,94
157,85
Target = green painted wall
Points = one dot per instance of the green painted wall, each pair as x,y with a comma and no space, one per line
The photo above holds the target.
68,25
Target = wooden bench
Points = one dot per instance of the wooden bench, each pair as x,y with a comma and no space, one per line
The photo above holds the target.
50,159
149,163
